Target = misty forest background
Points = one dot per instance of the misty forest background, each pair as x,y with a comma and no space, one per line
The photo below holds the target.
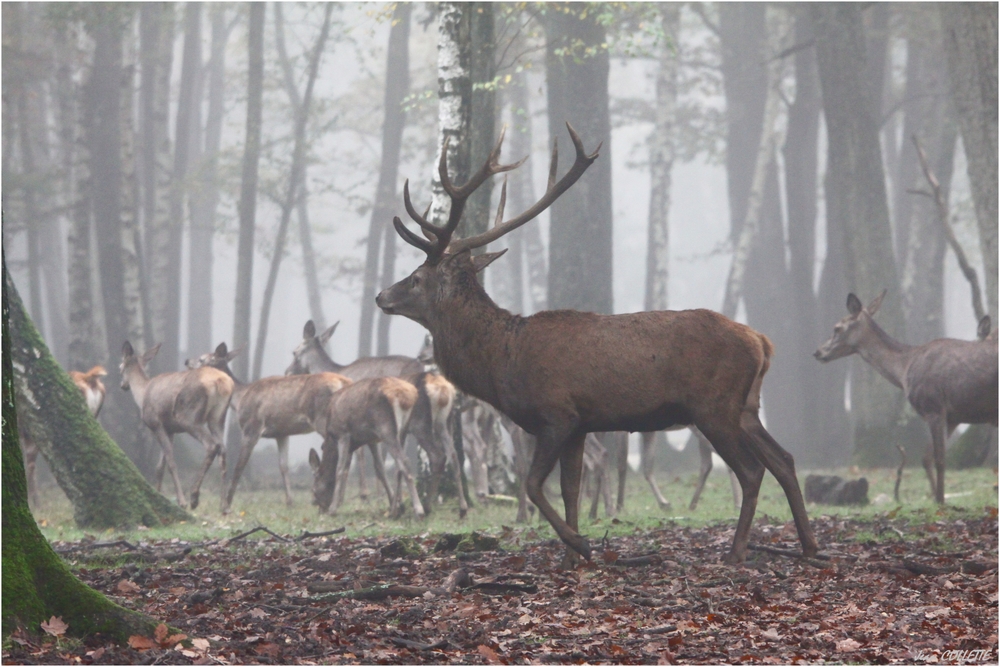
189,173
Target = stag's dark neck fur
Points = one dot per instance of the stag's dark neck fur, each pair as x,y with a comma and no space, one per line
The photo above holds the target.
474,338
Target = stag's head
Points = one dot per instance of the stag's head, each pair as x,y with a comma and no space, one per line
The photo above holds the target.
306,355
850,330
132,362
450,266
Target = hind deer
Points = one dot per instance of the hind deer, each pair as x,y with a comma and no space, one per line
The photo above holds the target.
562,374
193,402
93,391
947,381
429,421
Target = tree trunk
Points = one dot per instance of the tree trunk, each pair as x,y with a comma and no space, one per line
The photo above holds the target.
294,178
661,161
37,583
454,102
157,176
856,202
970,43
397,85
580,229
248,187
305,230
105,488
132,279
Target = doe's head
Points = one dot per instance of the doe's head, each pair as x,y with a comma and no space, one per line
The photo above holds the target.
849,332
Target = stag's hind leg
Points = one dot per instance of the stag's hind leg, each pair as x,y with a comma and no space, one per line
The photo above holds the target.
782,466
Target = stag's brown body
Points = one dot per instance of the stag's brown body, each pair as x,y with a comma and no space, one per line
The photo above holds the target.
562,374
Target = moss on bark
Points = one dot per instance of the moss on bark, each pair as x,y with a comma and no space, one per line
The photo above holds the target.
37,584
105,487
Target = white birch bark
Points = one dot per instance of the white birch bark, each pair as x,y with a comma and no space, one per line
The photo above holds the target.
132,278
661,160
769,140
453,102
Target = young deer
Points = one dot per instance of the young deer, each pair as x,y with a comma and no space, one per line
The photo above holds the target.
947,381
93,391
429,421
272,407
562,374
365,412
193,402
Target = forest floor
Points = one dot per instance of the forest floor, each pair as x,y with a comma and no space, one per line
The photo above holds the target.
908,583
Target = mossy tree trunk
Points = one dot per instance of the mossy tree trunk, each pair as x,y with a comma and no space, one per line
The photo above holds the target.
105,487
37,584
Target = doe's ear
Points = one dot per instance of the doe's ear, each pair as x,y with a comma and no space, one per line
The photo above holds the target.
309,330
326,335
232,355
876,302
854,304
480,262
127,350
313,460
148,355
221,350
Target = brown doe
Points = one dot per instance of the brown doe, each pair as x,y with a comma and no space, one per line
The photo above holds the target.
562,374
272,407
429,420
947,381
193,402
93,391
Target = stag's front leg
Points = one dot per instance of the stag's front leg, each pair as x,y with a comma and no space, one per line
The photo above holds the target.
548,450
570,474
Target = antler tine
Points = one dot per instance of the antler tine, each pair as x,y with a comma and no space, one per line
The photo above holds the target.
503,202
419,219
553,163
412,238
553,192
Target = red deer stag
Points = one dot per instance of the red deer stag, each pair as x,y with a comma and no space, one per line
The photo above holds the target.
193,402
562,374
272,407
93,391
947,381
429,421
365,412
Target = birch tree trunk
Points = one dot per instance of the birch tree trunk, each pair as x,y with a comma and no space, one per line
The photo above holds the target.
856,203
305,230
132,279
970,43
294,178
248,187
454,102
397,85
661,161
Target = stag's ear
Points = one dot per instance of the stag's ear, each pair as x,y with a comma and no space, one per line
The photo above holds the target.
985,325
314,460
876,302
127,350
853,304
325,336
148,355
221,350
480,262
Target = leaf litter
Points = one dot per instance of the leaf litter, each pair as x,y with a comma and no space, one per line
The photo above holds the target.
884,591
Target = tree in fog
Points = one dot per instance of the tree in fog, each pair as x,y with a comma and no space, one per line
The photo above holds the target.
970,42
381,236
857,206
580,229
248,186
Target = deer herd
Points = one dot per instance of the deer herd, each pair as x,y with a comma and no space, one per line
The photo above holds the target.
553,380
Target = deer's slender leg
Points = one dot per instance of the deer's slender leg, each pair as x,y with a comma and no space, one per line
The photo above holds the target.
935,454
251,435
442,435
782,465
212,450
705,454
167,447
344,449
379,466
622,467
160,467
392,438
570,472
737,493
730,443
522,465
362,475
282,443
648,464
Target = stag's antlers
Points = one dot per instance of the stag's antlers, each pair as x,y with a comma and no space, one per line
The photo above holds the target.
438,240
